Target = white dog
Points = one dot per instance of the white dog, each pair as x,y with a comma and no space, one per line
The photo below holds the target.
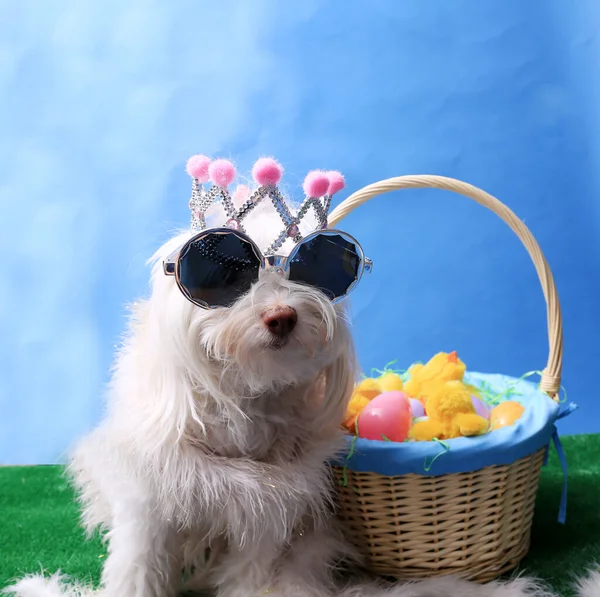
209,469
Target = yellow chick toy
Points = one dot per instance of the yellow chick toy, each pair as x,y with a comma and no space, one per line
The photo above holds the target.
389,381
354,408
368,387
450,413
440,368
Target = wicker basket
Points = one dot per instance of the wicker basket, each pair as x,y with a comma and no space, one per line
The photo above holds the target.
476,525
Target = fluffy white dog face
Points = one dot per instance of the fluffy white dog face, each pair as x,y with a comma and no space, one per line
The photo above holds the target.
278,334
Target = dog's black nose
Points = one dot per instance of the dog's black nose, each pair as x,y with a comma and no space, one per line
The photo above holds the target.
280,321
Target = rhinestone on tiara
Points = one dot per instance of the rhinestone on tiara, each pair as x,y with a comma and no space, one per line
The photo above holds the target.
319,187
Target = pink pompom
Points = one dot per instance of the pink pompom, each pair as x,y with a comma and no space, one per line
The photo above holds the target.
316,184
222,172
267,171
336,182
197,167
242,191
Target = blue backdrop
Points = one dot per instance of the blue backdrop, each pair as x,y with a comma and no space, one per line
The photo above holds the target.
103,101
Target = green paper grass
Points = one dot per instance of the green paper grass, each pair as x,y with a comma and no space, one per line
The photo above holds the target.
445,448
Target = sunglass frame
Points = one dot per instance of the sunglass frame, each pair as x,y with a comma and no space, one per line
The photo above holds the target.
276,263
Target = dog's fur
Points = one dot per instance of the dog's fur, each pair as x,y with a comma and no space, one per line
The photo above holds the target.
211,456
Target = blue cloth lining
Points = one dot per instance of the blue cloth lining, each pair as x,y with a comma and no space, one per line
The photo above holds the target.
532,432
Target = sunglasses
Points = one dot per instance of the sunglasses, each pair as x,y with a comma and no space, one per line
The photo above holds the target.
218,266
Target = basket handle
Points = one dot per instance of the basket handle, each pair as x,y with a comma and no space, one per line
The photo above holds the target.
551,376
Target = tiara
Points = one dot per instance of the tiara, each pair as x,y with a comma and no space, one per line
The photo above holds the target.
318,186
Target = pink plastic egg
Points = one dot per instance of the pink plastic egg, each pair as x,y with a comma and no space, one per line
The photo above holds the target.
418,410
481,408
387,416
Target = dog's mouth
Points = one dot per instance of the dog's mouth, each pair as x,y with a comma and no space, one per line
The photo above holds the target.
278,343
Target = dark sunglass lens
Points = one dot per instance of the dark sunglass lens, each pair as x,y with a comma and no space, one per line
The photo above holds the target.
329,262
218,268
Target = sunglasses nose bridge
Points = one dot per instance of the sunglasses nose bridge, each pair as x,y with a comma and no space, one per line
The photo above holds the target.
273,264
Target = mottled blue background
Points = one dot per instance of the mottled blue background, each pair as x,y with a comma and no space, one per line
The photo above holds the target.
101,103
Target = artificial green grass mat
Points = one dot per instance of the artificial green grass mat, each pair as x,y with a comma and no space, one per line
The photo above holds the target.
39,526
39,522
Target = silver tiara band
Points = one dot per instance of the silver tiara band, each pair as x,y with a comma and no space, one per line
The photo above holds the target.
319,188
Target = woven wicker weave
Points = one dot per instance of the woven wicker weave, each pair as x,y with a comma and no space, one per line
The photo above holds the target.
476,525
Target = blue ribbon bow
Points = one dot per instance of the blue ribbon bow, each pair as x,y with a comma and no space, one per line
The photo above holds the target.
562,512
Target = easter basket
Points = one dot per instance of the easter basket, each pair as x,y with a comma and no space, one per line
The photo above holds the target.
470,514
